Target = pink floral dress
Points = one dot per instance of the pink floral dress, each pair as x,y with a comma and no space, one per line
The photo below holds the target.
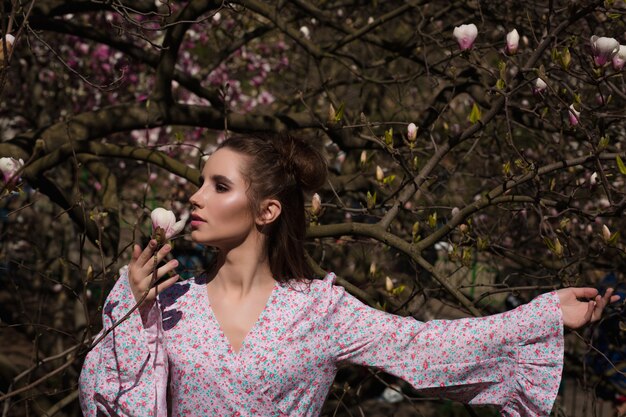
181,364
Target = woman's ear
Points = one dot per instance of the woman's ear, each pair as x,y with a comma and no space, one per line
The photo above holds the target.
270,210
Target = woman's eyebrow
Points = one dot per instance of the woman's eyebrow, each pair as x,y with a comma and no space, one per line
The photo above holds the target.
221,178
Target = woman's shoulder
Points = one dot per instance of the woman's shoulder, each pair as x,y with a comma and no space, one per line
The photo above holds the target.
321,293
310,286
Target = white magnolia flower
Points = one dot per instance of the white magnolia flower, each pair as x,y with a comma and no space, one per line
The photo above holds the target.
305,32
603,49
620,58
540,86
166,220
512,42
10,167
465,35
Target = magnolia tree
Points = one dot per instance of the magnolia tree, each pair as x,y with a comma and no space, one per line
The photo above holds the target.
475,152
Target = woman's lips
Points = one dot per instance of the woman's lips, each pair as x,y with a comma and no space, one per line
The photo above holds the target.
196,220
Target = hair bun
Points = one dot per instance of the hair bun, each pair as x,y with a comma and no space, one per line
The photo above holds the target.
305,162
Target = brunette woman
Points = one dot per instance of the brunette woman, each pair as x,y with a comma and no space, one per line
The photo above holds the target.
255,336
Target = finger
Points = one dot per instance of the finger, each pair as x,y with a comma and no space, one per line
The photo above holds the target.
165,269
149,265
585,292
163,285
147,253
615,298
591,305
135,254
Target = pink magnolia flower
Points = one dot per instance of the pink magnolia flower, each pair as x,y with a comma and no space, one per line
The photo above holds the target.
411,132
603,49
512,42
465,35
619,58
573,115
9,168
166,220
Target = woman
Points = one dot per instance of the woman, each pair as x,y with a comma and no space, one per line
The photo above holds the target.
253,338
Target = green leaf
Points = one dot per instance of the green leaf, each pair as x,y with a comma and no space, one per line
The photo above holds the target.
432,220
389,179
502,68
604,142
398,290
389,137
475,114
500,84
339,113
371,200
620,165
566,58
416,163
506,169
614,238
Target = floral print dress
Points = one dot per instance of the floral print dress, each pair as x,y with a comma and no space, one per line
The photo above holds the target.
179,363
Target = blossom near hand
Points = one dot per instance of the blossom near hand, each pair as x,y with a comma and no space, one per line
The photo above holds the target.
164,224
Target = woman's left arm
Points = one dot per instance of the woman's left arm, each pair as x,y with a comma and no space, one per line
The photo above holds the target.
513,360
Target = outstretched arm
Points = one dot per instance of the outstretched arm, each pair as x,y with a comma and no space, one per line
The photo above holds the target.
583,305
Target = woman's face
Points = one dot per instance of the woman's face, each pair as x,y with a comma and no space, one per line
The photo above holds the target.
222,216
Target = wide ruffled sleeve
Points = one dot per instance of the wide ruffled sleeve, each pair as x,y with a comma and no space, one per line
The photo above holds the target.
513,360
126,373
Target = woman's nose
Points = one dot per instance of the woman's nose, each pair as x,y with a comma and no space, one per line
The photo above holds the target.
194,199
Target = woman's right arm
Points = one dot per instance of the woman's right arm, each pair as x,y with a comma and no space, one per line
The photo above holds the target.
126,373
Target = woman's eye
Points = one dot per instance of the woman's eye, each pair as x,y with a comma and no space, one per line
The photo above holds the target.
221,188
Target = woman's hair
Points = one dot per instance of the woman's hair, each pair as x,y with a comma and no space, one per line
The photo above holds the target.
284,168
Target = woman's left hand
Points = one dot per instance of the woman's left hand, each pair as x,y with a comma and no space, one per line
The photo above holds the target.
577,313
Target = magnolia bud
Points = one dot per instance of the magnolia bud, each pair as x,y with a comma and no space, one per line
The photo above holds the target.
388,284
373,268
316,205
380,175
363,159
411,132
512,42
9,40
540,86
574,115
332,114
606,233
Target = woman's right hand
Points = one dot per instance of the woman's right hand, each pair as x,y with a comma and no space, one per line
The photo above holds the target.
140,271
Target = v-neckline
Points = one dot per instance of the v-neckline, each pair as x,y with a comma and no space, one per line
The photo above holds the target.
227,343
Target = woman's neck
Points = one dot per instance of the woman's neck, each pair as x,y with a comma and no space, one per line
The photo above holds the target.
241,270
